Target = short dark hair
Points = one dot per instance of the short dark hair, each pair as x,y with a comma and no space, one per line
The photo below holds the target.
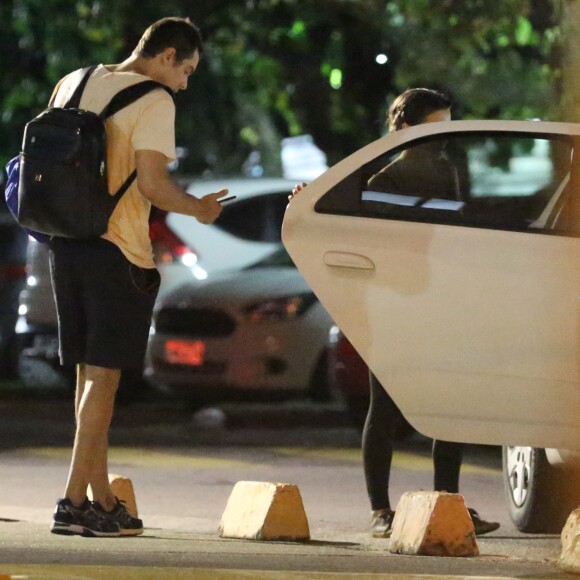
176,32
414,105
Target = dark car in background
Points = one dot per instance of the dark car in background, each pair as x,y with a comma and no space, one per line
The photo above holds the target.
348,376
13,241
348,379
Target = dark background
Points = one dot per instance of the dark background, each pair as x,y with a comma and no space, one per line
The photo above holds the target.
277,68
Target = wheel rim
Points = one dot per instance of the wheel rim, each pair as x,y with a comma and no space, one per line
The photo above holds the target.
519,464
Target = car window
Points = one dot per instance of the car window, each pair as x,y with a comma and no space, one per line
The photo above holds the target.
257,219
510,181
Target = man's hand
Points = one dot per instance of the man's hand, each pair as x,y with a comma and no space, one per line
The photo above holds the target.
209,207
162,191
298,188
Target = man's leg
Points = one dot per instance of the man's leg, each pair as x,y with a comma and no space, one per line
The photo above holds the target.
94,410
80,388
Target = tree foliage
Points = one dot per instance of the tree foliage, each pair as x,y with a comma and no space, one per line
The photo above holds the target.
497,58
275,68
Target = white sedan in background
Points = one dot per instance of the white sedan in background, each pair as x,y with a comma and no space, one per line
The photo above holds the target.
465,305
247,230
258,332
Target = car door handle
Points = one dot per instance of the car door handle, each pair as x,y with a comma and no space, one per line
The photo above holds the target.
348,260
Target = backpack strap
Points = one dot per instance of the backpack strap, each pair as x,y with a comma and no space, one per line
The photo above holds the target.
74,101
55,92
131,94
121,100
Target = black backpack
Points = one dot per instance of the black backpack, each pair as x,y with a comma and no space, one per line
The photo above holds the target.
62,188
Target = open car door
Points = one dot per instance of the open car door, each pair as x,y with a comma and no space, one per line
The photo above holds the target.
464,300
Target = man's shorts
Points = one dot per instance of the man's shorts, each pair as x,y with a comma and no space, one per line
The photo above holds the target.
104,303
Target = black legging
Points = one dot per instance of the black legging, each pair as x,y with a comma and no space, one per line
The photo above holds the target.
378,438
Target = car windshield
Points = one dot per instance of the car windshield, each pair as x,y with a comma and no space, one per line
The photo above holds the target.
278,259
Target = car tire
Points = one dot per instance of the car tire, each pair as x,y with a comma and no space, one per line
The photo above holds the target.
132,387
540,497
9,359
358,408
319,390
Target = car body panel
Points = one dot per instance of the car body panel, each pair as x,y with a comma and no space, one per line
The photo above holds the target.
474,332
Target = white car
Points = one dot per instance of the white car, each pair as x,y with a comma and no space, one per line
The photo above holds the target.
465,305
259,331
185,251
247,230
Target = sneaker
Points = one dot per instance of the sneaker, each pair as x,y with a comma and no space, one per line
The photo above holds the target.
82,521
382,523
128,525
481,526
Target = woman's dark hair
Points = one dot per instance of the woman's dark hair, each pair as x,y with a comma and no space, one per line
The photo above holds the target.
175,32
414,105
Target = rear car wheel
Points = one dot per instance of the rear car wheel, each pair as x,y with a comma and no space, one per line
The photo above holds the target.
540,497
319,389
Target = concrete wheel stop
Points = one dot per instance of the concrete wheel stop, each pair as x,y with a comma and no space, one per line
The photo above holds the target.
258,510
122,488
433,523
570,555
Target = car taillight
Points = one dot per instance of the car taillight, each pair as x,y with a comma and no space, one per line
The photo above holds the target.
12,272
345,348
352,371
167,247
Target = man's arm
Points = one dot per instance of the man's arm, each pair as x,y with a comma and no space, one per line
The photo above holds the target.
162,191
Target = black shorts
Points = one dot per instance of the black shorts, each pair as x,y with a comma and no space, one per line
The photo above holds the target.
104,303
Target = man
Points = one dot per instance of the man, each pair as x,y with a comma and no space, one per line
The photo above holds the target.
105,288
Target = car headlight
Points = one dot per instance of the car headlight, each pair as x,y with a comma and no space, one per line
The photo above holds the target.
278,309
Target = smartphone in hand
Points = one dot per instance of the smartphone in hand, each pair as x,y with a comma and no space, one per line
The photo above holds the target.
229,198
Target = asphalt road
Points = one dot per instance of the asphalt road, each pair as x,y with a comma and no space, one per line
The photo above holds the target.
183,468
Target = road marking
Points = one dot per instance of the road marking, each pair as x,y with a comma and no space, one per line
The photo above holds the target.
401,459
139,457
58,572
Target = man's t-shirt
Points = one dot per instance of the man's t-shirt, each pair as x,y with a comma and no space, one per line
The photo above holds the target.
148,123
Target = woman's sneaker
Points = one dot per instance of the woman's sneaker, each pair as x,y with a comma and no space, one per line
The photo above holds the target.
382,523
128,525
82,521
481,526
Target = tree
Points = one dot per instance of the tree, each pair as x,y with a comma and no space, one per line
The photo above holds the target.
41,41
496,58
276,68
570,99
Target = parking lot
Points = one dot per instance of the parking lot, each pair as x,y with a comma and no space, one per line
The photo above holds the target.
184,466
